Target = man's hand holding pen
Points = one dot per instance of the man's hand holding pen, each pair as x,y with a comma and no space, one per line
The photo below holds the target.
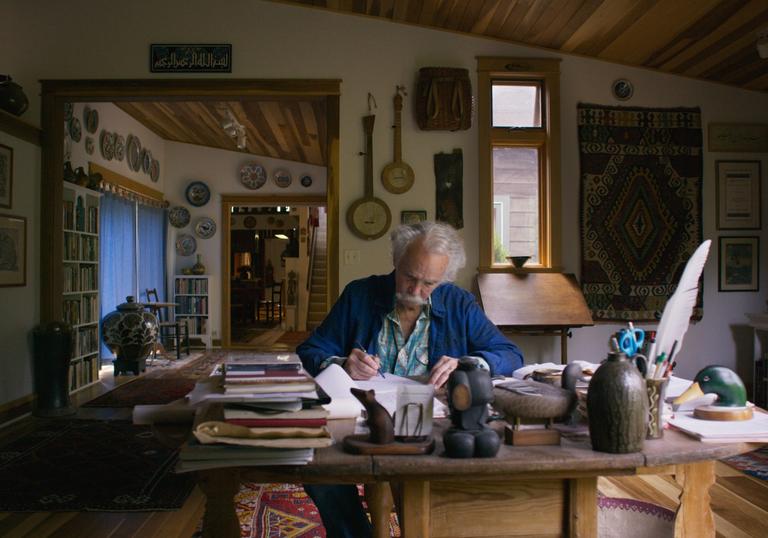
361,365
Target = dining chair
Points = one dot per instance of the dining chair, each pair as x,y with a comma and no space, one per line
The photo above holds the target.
171,330
272,301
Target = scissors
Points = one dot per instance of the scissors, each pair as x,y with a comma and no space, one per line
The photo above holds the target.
631,341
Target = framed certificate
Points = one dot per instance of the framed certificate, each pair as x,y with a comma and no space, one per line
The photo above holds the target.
738,195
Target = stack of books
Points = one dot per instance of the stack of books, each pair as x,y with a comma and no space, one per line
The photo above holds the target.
263,409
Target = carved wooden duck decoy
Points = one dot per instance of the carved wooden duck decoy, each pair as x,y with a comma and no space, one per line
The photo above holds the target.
528,399
718,380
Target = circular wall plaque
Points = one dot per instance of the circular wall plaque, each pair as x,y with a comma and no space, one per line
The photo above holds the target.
622,89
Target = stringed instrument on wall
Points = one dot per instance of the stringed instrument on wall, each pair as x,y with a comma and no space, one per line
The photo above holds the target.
397,177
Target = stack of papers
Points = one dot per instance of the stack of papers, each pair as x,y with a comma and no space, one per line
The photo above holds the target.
754,430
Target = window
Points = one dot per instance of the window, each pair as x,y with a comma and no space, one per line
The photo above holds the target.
519,154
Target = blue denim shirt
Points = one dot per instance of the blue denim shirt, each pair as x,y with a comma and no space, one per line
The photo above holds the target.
458,327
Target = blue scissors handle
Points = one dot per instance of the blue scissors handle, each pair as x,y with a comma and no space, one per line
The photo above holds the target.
631,341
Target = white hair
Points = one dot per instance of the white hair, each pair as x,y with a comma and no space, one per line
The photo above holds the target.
439,238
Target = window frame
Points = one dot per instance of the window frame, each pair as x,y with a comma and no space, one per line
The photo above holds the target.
545,139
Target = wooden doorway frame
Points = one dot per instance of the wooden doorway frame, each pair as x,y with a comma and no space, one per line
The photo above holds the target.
228,201
56,92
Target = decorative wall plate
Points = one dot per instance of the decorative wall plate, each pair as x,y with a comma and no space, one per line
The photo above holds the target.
197,193
622,89
186,245
178,216
89,145
133,153
107,144
69,109
282,177
75,131
119,147
146,160
205,228
90,119
249,221
253,175
306,180
154,170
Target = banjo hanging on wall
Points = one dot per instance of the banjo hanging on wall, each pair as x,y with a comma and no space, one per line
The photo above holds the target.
369,217
397,176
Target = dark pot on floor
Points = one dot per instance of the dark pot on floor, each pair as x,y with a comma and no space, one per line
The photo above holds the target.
52,345
130,332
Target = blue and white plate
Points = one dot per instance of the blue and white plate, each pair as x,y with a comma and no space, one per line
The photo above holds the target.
253,175
178,216
198,193
185,245
205,228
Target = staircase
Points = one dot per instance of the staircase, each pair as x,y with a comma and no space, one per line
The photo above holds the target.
318,288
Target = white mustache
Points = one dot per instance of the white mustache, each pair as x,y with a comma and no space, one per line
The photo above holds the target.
410,299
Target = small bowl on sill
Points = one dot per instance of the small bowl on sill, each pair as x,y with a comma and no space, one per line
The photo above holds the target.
518,261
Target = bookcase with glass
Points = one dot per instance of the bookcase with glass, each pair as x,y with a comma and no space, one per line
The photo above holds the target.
80,285
191,298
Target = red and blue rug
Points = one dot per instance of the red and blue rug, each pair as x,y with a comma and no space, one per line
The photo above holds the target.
753,463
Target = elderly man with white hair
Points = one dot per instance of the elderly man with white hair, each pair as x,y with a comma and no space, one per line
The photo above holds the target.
413,321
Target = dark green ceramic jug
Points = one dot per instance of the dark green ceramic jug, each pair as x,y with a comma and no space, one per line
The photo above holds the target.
617,405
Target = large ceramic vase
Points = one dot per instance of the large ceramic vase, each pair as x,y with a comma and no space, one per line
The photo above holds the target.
130,332
617,405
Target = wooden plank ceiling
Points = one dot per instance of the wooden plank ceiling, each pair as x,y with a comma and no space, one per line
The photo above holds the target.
713,40
287,128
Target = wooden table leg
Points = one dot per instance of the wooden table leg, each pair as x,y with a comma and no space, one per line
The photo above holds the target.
220,487
378,496
694,515
582,507
415,521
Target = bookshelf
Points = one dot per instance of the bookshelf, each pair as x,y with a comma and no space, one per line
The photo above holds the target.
80,290
191,298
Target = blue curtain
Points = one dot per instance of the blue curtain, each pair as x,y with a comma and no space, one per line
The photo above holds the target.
117,277
151,261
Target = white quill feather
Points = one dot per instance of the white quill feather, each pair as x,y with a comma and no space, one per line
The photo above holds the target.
677,312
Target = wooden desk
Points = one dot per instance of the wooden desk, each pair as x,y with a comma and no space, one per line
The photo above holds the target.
523,491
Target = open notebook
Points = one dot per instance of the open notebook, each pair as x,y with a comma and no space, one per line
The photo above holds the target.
336,383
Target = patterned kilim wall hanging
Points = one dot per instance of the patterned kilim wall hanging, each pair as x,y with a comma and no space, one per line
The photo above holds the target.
641,178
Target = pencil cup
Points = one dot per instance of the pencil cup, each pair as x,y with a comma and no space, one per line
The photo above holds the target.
656,388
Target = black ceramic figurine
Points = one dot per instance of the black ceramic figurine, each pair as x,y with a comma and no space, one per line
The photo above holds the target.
617,405
469,392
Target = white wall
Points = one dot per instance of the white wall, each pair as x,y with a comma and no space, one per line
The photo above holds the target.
280,41
20,306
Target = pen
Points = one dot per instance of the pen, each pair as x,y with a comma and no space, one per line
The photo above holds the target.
361,348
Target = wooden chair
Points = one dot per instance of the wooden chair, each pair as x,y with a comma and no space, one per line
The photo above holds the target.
170,330
272,301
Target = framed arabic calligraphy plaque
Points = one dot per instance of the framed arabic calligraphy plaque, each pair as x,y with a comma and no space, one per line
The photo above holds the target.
164,58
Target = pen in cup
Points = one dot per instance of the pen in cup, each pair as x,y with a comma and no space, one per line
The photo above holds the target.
361,348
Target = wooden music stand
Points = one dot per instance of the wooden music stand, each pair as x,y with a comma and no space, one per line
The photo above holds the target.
534,303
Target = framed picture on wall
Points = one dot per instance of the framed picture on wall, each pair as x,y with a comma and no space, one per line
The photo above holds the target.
13,251
739,264
412,216
738,195
6,176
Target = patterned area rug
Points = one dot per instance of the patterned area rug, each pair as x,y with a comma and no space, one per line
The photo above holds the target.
74,465
641,181
753,463
281,510
160,386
